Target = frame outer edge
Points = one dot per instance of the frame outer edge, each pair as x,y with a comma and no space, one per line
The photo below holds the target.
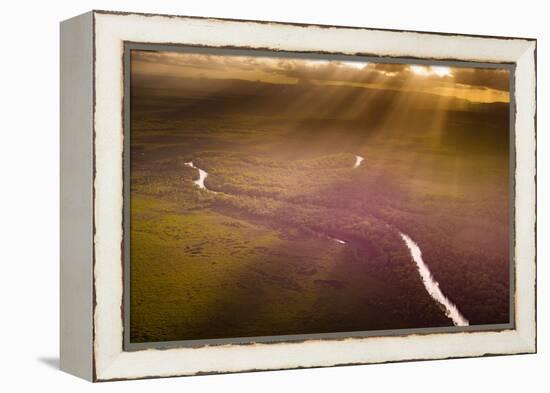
526,199
524,339
76,196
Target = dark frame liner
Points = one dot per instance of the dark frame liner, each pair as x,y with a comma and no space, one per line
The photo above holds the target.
261,52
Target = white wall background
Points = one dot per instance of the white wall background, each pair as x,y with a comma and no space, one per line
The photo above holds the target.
29,184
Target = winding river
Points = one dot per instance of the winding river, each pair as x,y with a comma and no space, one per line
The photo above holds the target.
339,241
430,284
202,176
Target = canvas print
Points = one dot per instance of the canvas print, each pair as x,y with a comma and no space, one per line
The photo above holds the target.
281,195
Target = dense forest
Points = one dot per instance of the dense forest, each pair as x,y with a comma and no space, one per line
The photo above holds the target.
289,236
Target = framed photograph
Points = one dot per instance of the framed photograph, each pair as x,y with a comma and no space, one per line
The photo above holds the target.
246,195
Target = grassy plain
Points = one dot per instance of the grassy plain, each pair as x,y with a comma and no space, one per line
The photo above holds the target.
256,255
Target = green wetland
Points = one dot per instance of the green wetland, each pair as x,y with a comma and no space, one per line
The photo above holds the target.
288,235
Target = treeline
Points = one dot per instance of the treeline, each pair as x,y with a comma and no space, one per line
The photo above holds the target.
327,197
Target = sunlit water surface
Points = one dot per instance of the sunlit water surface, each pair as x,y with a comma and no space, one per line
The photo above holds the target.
432,286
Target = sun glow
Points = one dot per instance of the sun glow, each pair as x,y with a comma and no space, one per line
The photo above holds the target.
431,70
441,71
354,64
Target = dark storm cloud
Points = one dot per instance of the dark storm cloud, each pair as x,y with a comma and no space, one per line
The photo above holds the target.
340,71
389,67
474,84
324,71
483,77
298,69
201,61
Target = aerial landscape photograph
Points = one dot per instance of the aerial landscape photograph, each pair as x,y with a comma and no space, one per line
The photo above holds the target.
276,194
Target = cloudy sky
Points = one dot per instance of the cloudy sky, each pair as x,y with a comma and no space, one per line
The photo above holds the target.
478,85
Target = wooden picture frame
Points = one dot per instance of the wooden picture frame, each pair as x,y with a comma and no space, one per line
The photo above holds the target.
94,181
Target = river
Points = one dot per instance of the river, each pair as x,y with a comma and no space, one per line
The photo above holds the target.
431,285
358,161
202,176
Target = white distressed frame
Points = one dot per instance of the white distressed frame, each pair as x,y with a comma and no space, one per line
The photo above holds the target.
111,30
